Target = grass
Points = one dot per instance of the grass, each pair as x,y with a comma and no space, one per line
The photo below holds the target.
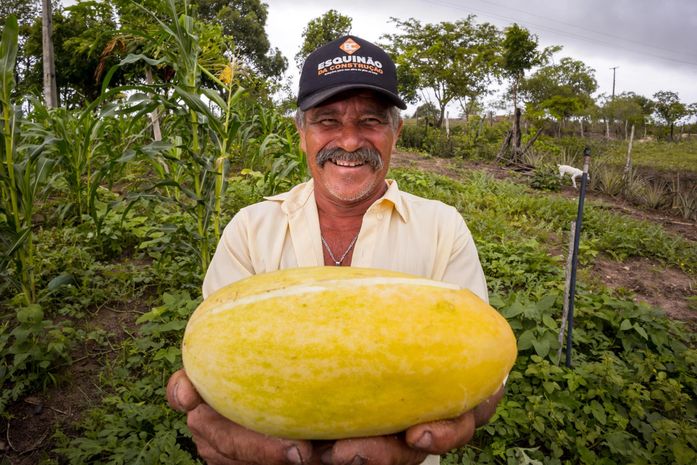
655,155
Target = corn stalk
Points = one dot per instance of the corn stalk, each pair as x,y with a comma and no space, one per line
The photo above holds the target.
23,173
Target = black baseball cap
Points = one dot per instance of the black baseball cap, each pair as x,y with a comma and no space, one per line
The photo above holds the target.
346,63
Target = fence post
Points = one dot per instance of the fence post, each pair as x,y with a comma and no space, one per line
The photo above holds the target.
574,259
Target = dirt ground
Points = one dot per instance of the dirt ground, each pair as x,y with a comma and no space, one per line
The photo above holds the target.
27,436
650,282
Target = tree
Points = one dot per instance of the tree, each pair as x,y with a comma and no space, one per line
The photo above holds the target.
244,21
426,114
561,90
520,53
630,108
80,34
322,30
669,108
49,65
24,10
452,60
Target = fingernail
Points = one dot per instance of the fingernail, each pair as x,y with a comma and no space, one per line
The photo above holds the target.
175,397
293,455
424,441
357,460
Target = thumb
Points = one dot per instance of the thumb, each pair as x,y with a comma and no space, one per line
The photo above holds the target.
181,394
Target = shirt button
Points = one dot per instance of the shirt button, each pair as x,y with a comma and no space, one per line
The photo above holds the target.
380,216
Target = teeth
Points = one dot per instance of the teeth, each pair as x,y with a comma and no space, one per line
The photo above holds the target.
347,163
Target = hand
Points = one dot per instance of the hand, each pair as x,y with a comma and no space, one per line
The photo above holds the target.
222,442
416,443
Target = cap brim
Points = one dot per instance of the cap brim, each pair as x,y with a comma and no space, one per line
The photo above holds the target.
320,96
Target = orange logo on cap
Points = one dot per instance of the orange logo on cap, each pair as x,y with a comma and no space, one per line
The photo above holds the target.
349,46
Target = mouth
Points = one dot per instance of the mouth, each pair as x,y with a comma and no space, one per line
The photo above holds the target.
346,163
363,156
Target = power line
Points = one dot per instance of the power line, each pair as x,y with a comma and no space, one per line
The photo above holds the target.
560,32
576,26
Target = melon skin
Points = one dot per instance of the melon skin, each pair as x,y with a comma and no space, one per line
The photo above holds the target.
340,352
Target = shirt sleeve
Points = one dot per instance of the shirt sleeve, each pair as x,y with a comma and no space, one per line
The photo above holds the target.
231,261
464,267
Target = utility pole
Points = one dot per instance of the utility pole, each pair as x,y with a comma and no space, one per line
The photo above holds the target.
613,81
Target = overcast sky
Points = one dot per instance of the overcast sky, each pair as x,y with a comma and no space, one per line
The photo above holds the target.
653,43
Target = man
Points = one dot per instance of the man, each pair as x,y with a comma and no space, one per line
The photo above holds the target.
347,215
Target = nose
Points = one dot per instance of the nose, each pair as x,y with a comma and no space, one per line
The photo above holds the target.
350,138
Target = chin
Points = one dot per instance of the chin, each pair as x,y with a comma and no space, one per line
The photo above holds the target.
353,194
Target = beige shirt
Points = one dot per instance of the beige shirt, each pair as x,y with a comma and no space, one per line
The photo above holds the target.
400,232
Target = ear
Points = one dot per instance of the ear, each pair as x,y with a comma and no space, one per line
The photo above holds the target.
397,133
301,133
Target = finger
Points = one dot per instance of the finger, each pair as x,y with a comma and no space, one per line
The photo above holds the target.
379,450
484,411
438,437
181,394
236,442
211,456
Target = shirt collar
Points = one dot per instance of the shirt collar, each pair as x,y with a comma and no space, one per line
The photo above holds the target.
298,196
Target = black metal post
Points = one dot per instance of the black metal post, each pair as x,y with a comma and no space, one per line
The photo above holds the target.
574,257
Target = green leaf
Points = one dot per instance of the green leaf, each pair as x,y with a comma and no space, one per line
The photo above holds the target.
619,442
8,58
541,347
61,280
547,302
30,314
641,331
549,322
526,339
626,325
598,412
515,309
684,455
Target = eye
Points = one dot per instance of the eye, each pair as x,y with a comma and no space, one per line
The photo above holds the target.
372,121
327,122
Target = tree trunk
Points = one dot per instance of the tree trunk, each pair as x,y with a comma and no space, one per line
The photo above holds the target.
626,126
504,146
441,117
581,123
516,134
530,142
607,128
50,94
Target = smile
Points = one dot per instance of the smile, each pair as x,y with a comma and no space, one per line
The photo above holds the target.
347,163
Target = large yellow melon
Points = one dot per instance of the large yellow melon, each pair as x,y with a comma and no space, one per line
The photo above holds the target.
337,352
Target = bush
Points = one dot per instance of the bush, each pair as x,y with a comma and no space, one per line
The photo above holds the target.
545,177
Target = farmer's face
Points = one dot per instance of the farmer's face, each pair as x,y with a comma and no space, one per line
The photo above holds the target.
348,141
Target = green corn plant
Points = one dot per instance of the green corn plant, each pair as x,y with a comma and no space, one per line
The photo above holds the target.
199,125
23,174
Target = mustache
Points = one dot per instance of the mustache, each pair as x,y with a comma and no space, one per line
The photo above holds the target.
362,155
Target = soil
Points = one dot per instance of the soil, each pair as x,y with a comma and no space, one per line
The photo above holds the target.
27,436
667,288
